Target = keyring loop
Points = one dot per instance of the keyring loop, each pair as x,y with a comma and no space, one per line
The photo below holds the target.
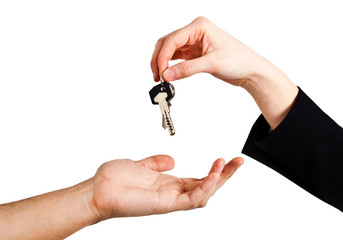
161,79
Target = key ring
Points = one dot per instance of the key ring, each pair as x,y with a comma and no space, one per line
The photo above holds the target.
161,79
162,82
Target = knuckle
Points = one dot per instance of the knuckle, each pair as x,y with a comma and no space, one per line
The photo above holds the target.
201,20
212,64
202,204
193,206
186,69
168,38
156,163
159,41
192,203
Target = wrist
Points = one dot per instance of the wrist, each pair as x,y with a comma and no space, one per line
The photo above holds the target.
263,76
272,91
86,190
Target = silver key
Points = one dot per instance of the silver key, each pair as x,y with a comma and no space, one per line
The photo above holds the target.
164,106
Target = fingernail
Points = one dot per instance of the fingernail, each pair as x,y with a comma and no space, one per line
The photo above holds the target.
241,162
168,75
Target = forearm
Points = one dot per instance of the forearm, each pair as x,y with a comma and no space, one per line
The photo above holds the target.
54,215
272,91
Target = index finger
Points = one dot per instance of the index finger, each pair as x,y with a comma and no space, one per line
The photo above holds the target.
172,42
166,47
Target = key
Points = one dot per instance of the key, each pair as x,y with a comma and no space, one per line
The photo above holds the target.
166,121
162,94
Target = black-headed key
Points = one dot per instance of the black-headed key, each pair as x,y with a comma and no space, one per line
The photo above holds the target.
162,94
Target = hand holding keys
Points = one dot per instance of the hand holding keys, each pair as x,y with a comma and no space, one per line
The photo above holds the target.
162,94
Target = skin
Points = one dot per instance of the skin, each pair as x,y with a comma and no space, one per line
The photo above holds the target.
207,48
123,188
120,188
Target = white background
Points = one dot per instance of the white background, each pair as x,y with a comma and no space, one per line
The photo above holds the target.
74,82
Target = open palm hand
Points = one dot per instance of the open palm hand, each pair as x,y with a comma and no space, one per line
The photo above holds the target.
126,188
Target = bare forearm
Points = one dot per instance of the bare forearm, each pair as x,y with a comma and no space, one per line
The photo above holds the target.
272,91
120,188
54,215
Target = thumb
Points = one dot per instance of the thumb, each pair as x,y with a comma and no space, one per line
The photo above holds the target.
158,163
186,69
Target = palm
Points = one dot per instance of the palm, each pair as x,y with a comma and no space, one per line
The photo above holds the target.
128,188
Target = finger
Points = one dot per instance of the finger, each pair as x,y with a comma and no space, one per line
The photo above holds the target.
217,166
153,63
213,176
194,198
201,194
191,180
172,42
226,172
191,186
229,169
191,183
187,68
205,188
158,163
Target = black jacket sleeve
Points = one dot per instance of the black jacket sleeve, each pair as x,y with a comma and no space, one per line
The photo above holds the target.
306,147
